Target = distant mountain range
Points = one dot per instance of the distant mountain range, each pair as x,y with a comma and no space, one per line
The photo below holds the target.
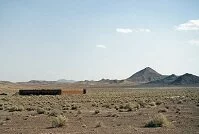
145,77
148,76
32,82
65,81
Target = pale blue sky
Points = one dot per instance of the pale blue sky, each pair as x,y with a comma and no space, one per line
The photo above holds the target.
94,39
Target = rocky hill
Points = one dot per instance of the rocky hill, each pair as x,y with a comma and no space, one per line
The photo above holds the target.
144,76
186,79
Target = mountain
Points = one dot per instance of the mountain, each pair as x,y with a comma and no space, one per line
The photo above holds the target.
65,81
165,81
144,76
186,79
108,81
6,82
39,82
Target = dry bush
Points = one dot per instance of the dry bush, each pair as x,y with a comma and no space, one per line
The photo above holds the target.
106,105
79,112
110,114
94,104
159,120
40,110
129,107
20,108
55,112
99,124
142,103
74,107
96,112
59,121
163,110
152,104
12,108
2,122
180,102
30,108
116,107
8,118
158,102
84,126
1,108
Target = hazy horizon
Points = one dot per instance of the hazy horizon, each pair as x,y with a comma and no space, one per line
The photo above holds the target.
91,40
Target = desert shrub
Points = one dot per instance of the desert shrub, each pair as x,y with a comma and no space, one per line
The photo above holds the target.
5,99
74,107
66,108
122,110
158,102
163,110
59,121
129,107
8,118
94,104
167,107
159,120
40,110
116,107
12,108
137,106
96,112
48,108
106,105
180,102
142,103
153,104
99,124
30,108
55,112
20,108
2,122
84,125
79,112
112,115
121,107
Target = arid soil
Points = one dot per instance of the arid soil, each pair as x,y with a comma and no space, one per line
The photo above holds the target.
102,111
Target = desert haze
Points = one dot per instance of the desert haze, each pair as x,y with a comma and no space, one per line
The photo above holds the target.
99,66
146,102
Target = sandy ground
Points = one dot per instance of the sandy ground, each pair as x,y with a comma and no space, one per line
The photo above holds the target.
102,111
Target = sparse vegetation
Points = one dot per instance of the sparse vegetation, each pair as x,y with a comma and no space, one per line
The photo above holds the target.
104,106
40,110
99,124
159,120
163,110
12,108
55,112
153,104
96,112
59,121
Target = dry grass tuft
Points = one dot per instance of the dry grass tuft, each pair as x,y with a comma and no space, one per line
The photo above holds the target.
96,112
99,124
159,121
59,121
40,110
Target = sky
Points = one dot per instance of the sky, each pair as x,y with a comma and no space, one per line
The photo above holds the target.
95,39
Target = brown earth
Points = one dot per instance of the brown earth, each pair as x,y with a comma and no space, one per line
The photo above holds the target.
103,110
